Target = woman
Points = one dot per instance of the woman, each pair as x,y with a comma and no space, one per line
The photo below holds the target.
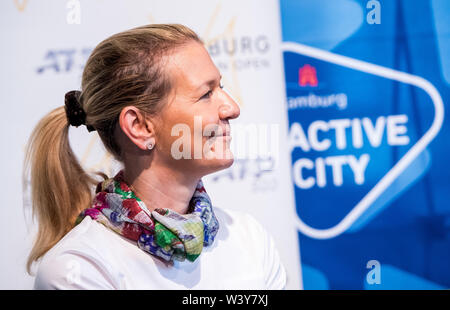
154,96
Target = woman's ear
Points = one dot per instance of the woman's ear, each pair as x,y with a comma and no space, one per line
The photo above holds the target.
137,126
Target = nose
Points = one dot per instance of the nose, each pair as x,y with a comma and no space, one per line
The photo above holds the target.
229,109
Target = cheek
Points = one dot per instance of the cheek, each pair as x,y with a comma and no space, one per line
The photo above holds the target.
210,123
197,127
165,139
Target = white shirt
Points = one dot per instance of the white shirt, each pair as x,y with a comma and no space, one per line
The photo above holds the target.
91,256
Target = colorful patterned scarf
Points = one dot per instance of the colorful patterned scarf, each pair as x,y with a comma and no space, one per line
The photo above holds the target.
162,232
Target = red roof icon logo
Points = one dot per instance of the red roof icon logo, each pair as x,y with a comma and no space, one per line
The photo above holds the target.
307,76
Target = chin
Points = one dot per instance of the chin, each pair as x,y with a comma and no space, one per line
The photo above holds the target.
215,165
218,158
223,163
226,163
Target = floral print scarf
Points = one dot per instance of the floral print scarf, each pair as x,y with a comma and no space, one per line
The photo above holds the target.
161,232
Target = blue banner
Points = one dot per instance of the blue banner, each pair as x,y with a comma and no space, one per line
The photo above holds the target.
367,84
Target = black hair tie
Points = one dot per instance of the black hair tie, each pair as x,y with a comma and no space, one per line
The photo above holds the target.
74,112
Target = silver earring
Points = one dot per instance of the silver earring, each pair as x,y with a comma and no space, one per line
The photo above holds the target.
150,146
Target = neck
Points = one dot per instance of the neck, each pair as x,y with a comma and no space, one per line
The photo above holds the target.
160,187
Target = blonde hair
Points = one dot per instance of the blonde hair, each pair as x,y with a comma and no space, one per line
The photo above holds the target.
123,70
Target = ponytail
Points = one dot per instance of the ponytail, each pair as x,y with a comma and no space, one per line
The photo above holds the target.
60,188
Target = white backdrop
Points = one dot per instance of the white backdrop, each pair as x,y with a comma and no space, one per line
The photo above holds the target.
45,44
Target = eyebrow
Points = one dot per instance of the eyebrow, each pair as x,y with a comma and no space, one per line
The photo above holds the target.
210,83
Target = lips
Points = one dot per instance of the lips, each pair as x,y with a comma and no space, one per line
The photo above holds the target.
219,136
226,133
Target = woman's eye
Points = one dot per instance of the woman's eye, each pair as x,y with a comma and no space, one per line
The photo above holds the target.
207,95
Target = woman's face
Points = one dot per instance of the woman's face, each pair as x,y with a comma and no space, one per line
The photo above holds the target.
194,132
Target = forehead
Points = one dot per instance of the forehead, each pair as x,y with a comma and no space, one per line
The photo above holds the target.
190,66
